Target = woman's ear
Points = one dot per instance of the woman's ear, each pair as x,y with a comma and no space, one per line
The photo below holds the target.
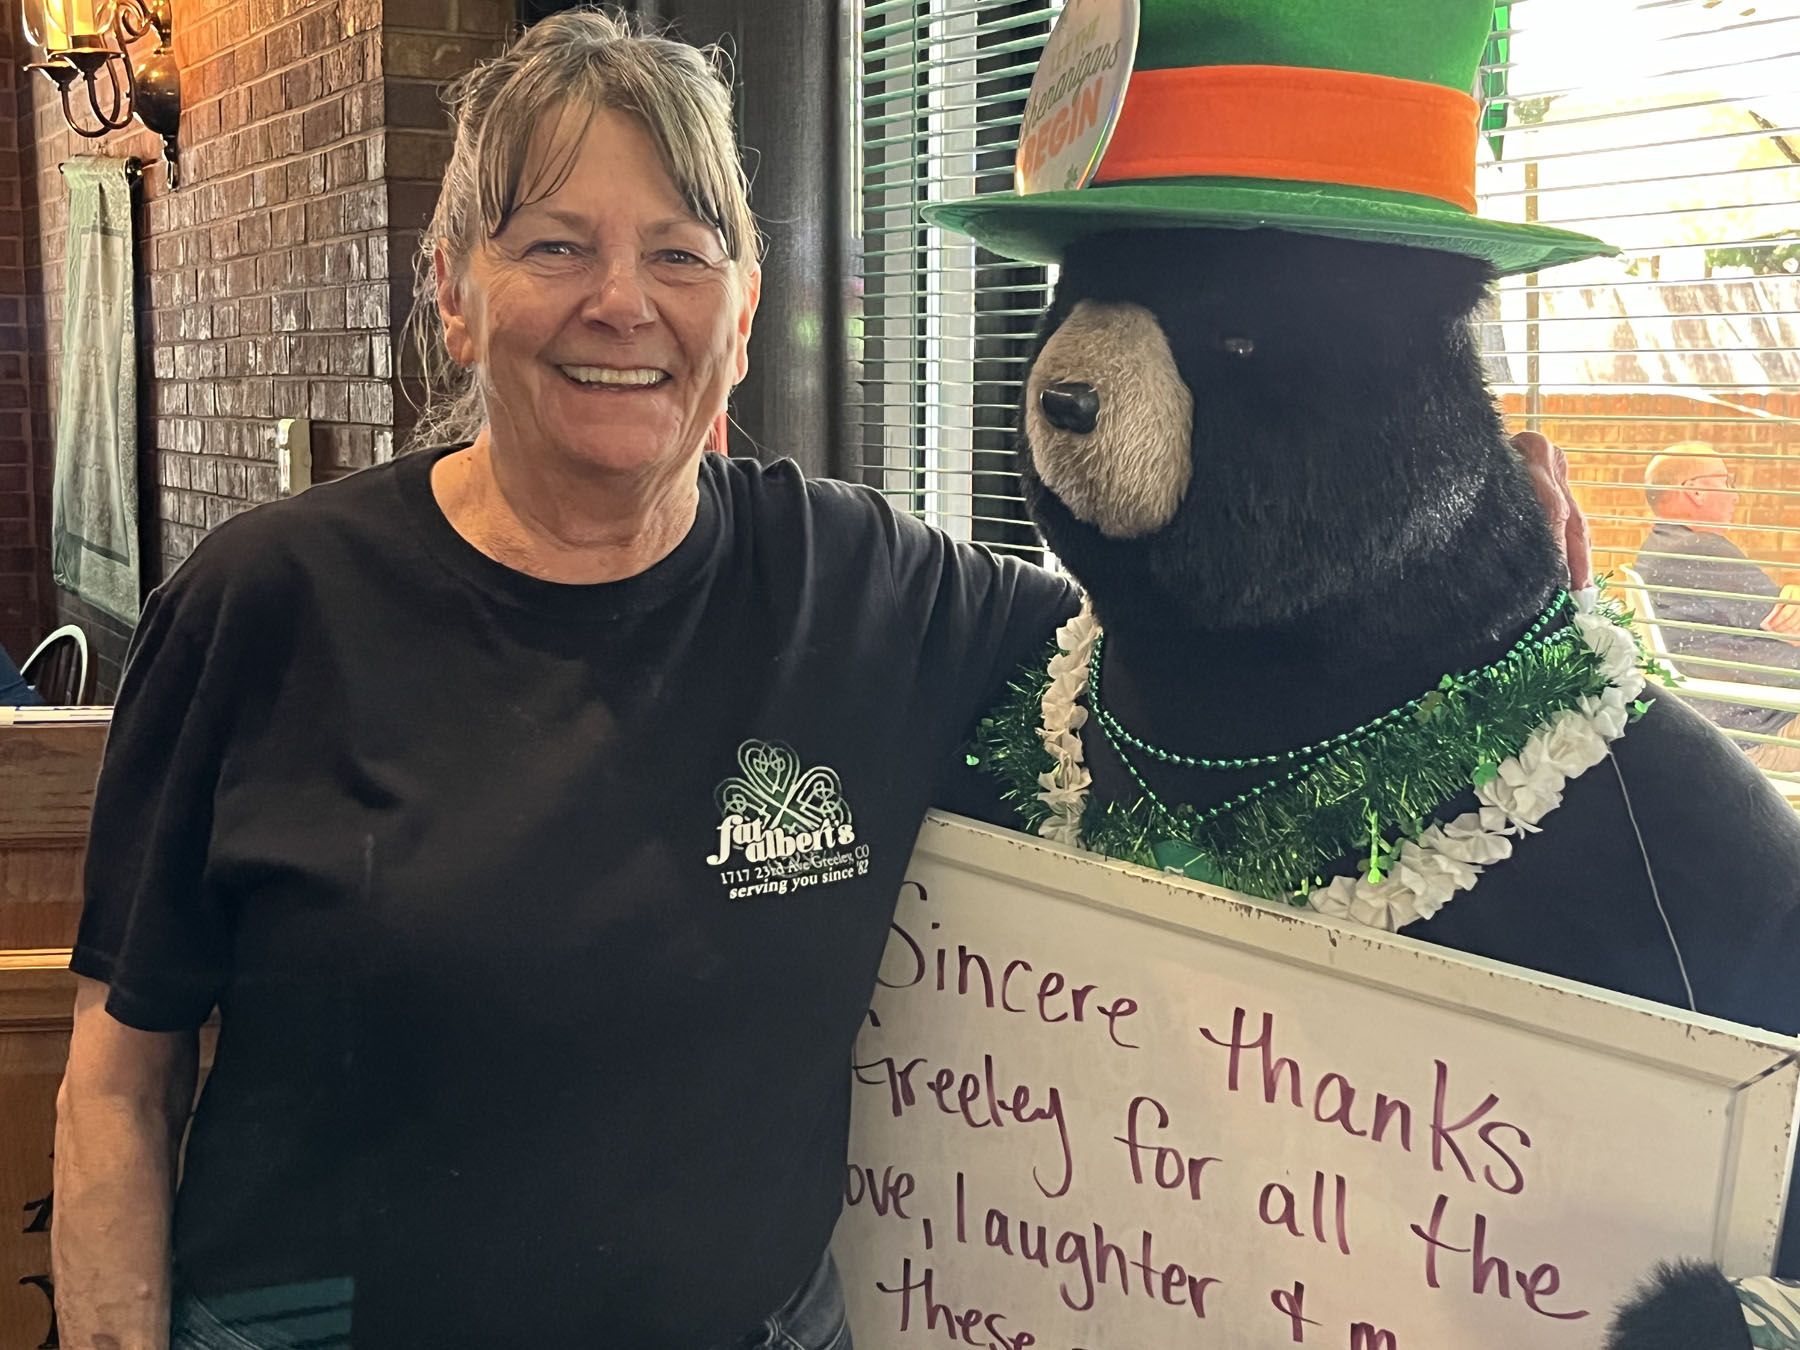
752,282
458,340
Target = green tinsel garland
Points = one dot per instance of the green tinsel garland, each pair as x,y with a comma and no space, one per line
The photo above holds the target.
1363,799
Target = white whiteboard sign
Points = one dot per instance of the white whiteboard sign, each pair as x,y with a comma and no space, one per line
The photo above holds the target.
1098,1109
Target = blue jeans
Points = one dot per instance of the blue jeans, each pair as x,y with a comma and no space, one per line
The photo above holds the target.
318,1317
314,1315
813,1319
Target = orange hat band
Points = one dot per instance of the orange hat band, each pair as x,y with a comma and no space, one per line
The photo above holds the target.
1299,124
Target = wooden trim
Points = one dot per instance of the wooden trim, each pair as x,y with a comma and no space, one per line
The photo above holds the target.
37,990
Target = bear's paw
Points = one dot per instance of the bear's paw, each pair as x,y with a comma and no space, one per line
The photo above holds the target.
1686,1306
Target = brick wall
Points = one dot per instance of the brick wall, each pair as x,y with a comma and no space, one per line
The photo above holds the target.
273,283
19,560
1611,437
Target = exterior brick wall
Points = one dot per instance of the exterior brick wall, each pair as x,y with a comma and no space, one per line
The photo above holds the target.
1611,437
272,284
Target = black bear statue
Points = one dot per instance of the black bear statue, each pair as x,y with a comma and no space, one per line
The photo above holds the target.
1274,464
1331,655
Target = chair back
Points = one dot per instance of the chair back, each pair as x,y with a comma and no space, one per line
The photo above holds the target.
58,669
1643,610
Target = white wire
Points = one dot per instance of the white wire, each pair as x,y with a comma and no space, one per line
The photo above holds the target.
1650,873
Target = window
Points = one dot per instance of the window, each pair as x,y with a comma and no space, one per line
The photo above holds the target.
1670,127
1673,131
946,326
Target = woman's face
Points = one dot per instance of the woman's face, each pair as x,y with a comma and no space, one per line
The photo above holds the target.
606,323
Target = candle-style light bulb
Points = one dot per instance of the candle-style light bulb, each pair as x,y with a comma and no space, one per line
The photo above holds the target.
44,26
87,18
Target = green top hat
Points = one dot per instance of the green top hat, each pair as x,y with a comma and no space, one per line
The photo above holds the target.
1352,118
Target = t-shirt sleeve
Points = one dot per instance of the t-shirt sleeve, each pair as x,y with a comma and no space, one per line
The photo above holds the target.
983,617
149,929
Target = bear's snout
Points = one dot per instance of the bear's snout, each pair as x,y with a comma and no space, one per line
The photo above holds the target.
1108,418
1071,406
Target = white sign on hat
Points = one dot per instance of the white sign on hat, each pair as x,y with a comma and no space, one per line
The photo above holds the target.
1076,95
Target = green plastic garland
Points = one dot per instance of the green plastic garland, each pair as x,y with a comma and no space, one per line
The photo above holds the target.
1359,797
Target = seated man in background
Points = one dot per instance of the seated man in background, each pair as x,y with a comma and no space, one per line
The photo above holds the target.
1692,496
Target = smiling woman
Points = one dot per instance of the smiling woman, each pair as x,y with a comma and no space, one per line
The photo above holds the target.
605,325
532,807
594,305
520,140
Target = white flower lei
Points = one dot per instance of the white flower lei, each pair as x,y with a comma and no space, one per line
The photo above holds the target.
1446,858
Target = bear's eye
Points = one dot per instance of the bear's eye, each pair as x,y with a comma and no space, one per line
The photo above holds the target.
1237,346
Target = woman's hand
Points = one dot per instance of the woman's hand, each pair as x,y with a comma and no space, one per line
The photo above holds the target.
1549,469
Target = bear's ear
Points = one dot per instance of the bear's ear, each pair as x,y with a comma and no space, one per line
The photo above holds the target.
1686,1306
1454,282
1095,266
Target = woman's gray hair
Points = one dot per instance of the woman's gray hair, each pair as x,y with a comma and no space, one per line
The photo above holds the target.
587,59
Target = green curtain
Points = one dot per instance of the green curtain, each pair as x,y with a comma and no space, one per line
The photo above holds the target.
94,496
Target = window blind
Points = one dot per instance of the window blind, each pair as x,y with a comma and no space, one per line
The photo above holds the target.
946,327
1668,127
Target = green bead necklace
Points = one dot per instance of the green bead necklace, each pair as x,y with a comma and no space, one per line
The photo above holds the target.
1544,631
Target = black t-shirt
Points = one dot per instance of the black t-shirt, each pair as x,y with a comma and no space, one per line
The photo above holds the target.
541,918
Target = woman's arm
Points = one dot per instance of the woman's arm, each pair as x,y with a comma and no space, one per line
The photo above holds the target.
119,1118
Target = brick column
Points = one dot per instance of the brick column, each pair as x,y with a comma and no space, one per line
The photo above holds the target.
426,44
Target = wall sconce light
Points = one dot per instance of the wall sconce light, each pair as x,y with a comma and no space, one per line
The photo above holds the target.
89,41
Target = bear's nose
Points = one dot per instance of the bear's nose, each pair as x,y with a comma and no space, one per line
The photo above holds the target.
1071,406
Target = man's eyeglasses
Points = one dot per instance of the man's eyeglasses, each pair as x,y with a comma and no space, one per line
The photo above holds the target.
1713,480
